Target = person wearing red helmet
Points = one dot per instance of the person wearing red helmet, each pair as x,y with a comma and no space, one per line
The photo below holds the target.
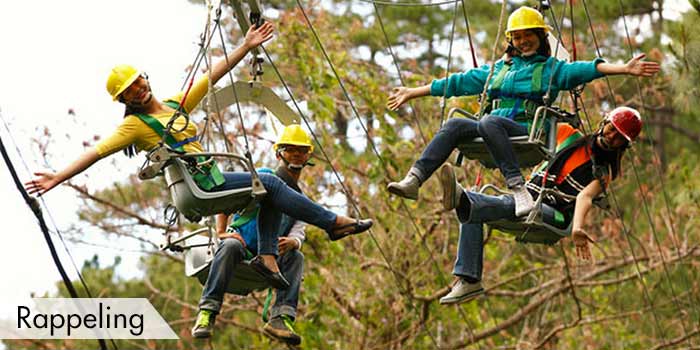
516,86
582,168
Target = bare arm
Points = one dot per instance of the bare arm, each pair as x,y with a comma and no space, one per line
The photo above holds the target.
46,181
634,66
401,95
253,38
584,202
221,223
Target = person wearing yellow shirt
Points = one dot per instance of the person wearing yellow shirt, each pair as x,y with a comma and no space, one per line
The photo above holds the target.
132,88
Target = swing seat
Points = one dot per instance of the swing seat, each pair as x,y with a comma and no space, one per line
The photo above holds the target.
198,260
195,203
530,149
544,225
544,229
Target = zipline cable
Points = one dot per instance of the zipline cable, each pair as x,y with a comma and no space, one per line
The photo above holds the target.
398,70
663,188
33,204
373,145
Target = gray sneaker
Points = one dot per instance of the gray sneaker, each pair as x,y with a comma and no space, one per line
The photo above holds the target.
282,329
204,326
407,188
523,200
451,190
462,291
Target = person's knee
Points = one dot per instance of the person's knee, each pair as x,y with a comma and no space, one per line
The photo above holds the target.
230,246
270,181
487,125
293,255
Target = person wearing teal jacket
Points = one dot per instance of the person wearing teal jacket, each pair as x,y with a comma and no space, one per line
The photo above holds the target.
519,82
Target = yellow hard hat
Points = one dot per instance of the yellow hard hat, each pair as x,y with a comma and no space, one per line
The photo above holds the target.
293,134
525,18
120,79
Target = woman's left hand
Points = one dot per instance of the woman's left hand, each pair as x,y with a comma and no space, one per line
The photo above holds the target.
258,35
638,67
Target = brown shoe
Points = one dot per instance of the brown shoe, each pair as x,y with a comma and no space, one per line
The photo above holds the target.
280,328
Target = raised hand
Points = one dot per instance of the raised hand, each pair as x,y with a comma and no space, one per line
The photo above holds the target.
259,35
398,96
638,67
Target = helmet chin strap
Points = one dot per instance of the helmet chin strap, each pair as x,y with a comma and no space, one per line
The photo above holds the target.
293,167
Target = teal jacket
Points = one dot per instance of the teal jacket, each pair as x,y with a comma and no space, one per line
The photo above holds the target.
518,79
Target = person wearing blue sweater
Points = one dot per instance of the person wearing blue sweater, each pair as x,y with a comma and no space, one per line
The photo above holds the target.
520,81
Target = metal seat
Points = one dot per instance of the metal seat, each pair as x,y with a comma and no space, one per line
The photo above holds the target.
530,149
190,200
544,224
199,252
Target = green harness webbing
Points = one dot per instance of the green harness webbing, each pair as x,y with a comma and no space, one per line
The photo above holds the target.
514,102
206,173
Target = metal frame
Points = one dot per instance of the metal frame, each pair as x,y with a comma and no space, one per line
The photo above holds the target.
530,229
530,149
199,251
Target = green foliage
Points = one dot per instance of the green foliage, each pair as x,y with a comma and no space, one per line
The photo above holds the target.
380,290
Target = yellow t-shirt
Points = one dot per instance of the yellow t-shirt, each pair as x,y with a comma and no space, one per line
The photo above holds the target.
134,131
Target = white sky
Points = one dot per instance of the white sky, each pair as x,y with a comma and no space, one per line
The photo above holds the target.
56,56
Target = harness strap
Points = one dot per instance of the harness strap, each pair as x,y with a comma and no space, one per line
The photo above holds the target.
206,173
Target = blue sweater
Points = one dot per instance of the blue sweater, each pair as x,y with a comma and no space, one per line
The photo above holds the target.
518,80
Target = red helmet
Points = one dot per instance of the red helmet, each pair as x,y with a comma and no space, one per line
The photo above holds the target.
627,121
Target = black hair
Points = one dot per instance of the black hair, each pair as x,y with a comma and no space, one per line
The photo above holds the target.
544,50
608,158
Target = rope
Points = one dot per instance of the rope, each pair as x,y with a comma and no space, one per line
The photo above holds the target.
663,187
33,204
469,34
618,211
483,98
235,93
414,4
337,175
51,219
374,148
398,70
443,103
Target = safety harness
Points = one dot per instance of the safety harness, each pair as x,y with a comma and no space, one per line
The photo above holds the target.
529,102
203,169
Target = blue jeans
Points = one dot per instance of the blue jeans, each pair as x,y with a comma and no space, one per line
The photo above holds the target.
229,254
470,251
292,266
494,130
280,199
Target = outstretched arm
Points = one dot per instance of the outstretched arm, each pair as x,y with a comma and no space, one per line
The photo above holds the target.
584,202
634,66
253,38
401,95
47,181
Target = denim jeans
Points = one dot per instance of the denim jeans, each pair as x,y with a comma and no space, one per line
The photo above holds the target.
495,131
470,251
292,266
280,199
229,254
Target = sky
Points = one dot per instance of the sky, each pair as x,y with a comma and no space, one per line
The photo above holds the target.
56,58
